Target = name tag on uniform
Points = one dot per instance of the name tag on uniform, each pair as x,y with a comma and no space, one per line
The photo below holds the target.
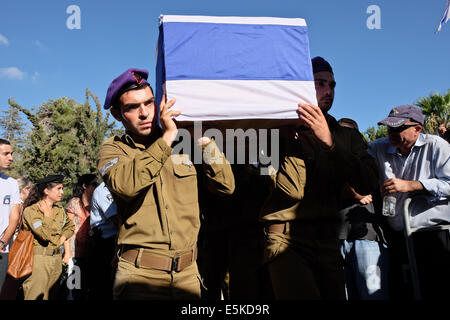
7,199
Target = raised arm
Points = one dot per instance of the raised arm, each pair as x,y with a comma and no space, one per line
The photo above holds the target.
220,177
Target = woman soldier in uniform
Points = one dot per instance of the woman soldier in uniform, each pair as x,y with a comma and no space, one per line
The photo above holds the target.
51,228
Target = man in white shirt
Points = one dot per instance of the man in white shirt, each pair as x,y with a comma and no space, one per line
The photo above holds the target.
9,207
416,165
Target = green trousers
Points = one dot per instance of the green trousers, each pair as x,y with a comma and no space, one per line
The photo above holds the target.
140,283
303,268
42,282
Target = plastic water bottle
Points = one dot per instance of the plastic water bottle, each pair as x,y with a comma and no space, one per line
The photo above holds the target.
389,206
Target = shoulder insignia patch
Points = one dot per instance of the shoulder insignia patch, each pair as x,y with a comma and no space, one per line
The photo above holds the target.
37,224
108,165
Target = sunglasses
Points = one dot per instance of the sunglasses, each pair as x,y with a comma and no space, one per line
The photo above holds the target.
401,128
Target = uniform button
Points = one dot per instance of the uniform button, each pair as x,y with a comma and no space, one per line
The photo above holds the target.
167,206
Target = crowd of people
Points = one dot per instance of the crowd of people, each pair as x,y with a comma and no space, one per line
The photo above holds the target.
159,227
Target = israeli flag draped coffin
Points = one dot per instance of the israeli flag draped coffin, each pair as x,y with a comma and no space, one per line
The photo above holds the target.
233,68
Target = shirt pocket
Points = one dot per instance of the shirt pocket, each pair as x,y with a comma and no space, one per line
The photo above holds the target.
185,183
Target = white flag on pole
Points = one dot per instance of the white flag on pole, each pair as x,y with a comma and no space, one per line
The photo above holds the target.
445,17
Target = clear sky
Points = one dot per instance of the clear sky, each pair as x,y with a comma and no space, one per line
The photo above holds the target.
375,69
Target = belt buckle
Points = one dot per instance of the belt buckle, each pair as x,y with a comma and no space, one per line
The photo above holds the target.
175,261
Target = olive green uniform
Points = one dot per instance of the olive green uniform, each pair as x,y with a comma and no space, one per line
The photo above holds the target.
157,199
47,264
302,214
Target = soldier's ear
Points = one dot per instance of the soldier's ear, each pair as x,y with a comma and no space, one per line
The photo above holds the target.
116,114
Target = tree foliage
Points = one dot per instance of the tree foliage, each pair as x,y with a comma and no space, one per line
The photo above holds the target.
65,138
372,134
12,125
436,108
13,130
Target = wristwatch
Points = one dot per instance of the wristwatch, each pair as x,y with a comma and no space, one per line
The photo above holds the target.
3,244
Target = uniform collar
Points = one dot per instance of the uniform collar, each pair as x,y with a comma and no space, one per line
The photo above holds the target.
127,139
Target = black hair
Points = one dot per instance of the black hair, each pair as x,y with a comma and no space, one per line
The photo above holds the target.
37,193
4,141
116,103
85,179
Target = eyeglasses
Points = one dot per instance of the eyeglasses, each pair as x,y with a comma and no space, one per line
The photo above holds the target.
401,128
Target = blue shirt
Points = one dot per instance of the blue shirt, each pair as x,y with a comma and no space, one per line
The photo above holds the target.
429,163
102,209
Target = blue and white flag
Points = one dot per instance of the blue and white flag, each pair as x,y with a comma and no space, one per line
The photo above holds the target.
227,68
445,17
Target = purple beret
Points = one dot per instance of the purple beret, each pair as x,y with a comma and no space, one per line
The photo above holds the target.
130,79
320,64
402,114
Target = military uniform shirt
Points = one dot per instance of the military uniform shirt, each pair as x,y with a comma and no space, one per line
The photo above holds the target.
311,178
156,192
47,231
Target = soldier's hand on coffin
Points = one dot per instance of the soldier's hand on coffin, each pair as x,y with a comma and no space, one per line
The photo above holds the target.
199,140
315,120
166,118
202,141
